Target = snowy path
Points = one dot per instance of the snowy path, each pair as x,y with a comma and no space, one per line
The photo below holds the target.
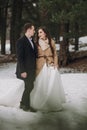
73,116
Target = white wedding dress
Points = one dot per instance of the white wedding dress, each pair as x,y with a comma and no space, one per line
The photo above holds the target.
48,93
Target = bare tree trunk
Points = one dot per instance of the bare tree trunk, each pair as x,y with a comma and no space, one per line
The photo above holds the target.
76,36
64,51
0,21
3,26
15,24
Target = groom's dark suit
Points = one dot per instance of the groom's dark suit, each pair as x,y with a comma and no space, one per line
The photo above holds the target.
26,62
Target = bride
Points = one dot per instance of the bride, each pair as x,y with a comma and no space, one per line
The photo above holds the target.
48,93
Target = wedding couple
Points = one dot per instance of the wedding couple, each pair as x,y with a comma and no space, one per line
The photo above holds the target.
37,65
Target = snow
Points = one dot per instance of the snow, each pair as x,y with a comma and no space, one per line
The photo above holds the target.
72,117
82,41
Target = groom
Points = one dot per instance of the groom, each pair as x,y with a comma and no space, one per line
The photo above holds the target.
26,64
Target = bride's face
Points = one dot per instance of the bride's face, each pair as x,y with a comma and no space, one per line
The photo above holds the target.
41,34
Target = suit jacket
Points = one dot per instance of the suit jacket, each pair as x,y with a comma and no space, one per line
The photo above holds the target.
26,57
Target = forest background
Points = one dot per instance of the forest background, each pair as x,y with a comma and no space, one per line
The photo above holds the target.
65,19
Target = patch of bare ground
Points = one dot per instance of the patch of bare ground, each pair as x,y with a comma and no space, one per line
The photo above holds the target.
79,65
7,58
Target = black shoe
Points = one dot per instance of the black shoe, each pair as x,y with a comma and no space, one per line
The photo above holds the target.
32,109
25,108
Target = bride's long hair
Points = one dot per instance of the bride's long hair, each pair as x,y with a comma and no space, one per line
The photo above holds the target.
47,35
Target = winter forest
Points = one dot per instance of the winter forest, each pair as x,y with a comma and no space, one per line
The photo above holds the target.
67,23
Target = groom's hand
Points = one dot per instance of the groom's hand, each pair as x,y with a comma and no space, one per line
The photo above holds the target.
24,75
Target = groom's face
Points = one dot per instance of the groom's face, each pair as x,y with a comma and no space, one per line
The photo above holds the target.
31,31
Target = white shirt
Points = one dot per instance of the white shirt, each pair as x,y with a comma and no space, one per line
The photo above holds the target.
30,40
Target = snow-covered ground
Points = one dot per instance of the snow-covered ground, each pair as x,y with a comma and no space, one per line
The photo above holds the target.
72,117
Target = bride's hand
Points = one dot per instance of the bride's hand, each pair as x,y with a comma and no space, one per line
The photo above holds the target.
52,64
56,66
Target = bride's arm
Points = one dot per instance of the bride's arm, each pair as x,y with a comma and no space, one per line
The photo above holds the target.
55,55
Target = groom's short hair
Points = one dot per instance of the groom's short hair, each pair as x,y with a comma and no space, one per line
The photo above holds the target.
27,26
